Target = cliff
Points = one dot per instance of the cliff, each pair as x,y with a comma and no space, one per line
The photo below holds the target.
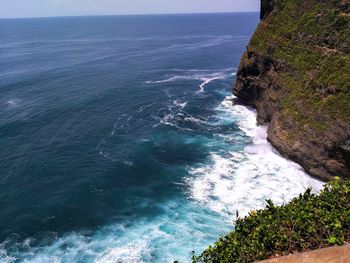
296,73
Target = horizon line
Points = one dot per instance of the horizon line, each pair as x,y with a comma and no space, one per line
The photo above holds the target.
136,14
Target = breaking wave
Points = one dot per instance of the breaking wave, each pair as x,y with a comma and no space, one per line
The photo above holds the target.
241,179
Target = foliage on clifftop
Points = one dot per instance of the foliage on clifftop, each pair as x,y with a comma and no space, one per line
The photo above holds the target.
296,73
310,40
308,222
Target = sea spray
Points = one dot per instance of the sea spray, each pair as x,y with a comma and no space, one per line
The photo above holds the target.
242,180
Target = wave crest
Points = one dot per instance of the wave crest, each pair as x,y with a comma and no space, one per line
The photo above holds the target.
227,182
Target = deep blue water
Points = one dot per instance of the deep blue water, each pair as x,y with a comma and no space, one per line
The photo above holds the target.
119,141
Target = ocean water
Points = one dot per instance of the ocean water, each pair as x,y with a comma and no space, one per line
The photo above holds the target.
120,141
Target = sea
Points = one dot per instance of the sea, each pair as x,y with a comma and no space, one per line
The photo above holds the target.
120,140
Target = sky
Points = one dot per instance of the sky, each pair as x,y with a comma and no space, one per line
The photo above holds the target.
47,8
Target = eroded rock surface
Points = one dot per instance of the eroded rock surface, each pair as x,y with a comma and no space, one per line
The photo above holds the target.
296,73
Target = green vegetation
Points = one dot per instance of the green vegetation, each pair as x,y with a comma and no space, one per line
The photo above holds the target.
303,48
306,48
310,40
308,222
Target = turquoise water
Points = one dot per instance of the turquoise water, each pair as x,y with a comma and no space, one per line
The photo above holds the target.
120,142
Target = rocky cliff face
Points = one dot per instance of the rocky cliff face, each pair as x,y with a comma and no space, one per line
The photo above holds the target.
296,73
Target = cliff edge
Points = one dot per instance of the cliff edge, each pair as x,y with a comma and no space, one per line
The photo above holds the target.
296,73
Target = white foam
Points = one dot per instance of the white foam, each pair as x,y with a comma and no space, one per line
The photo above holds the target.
166,238
233,179
4,257
13,103
131,253
176,115
207,80
166,80
201,75
194,120
179,104
167,120
243,180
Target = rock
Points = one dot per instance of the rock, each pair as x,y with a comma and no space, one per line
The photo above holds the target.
301,85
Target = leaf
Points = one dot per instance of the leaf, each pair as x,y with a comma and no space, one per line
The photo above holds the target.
332,240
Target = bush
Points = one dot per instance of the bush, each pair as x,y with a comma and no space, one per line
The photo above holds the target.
308,222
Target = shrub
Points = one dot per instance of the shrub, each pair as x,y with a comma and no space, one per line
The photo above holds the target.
308,222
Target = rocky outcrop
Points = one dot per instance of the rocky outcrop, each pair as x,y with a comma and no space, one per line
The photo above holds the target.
296,73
